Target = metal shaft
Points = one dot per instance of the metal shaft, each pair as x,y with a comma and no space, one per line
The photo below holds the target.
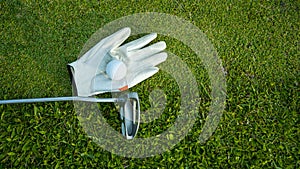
56,99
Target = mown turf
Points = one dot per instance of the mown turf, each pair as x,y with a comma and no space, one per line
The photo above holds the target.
258,43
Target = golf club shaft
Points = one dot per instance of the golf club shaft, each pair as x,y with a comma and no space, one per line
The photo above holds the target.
56,99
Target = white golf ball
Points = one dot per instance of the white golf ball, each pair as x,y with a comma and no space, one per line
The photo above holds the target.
116,70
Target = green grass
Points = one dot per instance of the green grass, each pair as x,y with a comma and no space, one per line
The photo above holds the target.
258,43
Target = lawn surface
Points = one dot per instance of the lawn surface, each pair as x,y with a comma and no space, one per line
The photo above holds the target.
258,43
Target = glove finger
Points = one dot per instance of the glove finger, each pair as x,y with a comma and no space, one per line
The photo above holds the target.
102,84
117,38
139,43
108,43
151,61
141,76
147,51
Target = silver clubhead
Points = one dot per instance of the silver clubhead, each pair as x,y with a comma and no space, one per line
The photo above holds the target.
130,115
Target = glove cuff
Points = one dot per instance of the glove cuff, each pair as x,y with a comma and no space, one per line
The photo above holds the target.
71,74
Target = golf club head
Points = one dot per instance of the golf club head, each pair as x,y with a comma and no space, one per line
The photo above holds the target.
130,115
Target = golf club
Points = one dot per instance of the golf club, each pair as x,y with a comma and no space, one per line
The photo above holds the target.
129,108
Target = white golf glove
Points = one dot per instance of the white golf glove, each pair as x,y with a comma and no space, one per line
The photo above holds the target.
109,67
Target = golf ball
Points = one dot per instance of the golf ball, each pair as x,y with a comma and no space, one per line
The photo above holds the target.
116,70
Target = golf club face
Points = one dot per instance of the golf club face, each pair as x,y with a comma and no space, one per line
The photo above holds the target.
130,115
